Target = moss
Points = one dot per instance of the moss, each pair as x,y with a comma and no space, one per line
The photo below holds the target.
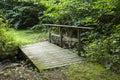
90,71
28,36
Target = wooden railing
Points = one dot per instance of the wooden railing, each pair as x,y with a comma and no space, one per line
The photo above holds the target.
68,27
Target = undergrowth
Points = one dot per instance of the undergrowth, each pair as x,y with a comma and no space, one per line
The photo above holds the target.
90,71
8,42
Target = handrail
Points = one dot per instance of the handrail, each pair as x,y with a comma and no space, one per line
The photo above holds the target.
67,26
61,33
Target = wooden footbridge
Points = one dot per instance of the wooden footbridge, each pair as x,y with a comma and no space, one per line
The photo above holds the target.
48,55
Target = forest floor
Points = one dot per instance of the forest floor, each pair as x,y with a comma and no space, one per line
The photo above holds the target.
83,71
10,70
16,71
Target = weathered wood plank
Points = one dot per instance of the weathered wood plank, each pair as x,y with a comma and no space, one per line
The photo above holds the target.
67,26
49,55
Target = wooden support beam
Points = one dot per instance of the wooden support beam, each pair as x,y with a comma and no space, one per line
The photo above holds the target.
79,42
61,36
49,30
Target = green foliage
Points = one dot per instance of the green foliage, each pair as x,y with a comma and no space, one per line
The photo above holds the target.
102,15
102,44
76,12
105,51
39,27
7,73
7,42
22,17
117,30
22,14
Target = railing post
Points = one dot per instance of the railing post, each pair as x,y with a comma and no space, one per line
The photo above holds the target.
79,42
61,36
49,30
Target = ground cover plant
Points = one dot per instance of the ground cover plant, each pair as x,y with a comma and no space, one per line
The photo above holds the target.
28,36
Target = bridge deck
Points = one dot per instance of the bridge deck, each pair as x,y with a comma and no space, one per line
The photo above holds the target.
48,55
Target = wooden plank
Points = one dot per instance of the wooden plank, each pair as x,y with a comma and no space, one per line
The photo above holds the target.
67,26
49,56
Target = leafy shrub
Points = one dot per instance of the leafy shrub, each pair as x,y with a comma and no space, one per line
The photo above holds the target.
105,51
22,17
7,41
22,14
39,27
100,14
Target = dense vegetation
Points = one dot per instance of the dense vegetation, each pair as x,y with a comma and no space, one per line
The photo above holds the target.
21,15
102,44
7,41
